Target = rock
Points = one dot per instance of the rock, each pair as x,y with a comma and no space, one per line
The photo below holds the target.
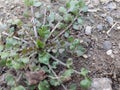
88,30
107,45
101,84
110,53
85,56
118,27
100,27
111,6
110,20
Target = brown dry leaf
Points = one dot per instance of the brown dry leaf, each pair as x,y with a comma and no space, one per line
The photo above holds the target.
35,77
67,79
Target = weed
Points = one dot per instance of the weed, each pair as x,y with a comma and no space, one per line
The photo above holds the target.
46,44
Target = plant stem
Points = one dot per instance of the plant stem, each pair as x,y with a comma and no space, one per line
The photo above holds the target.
65,29
33,20
4,33
57,77
62,63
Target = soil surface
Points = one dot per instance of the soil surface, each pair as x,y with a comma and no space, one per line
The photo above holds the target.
102,40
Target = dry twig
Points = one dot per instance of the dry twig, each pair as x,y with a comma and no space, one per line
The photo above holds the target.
65,29
4,33
57,77
111,28
34,25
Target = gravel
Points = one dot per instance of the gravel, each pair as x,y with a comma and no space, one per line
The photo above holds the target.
110,20
100,27
107,45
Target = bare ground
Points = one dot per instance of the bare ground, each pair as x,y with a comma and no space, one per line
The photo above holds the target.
97,62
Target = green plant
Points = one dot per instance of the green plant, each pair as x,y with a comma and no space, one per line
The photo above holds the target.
46,45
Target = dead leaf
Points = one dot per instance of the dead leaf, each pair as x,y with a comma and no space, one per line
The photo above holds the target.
35,77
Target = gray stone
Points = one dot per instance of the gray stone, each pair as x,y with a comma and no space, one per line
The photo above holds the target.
110,20
107,45
100,27
101,84
111,6
88,30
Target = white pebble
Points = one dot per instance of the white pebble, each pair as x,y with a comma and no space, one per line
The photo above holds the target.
88,30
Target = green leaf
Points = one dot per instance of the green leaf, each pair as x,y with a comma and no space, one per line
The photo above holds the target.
29,2
1,47
44,85
69,62
85,9
68,73
4,55
40,44
10,80
44,32
25,60
79,20
80,50
58,17
16,65
62,10
61,26
44,58
3,62
86,83
74,44
11,42
66,34
18,88
17,22
37,4
68,18
54,82
54,65
84,72
73,87
73,6
81,3
70,39
51,17
76,27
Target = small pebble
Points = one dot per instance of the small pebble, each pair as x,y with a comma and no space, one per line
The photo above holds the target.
101,84
111,6
100,27
88,30
118,28
107,45
109,52
85,56
110,20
